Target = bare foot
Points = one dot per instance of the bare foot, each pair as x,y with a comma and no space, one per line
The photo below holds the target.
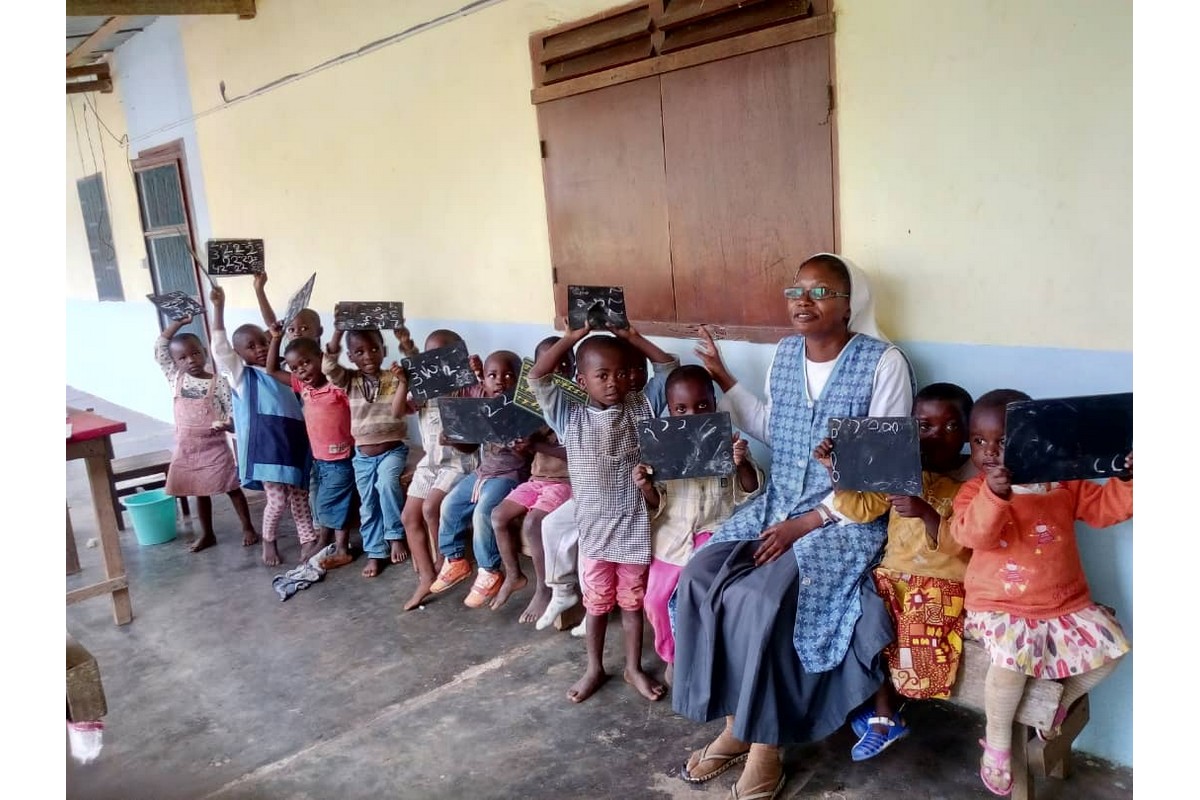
512,583
204,542
271,554
437,563
420,594
536,607
324,538
249,537
669,677
309,550
399,551
586,686
340,558
374,567
647,687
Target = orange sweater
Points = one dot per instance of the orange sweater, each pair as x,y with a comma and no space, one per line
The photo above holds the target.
1025,560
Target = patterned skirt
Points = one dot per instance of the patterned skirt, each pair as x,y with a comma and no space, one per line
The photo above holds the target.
928,613
1058,647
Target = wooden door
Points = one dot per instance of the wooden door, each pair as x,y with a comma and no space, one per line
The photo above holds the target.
603,171
749,172
167,225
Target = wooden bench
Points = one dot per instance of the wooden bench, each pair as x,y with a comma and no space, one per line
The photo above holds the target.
141,472
1031,757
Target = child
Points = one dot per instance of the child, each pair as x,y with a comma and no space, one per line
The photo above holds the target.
380,451
501,469
920,577
560,534
685,512
327,418
273,452
1027,596
614,526
305,325
441,468
202,464
548,487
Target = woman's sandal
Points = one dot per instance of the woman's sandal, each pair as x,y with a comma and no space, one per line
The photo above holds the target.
766,794
724,762
998,763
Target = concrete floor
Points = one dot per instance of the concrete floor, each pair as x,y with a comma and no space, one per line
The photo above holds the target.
219,690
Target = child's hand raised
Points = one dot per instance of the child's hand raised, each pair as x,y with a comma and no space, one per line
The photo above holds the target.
217,295
276,329
260,280
740,447
911,507
999,481
823,453
641,476
476,364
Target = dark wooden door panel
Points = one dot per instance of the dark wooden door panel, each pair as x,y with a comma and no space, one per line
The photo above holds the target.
606,200
749,170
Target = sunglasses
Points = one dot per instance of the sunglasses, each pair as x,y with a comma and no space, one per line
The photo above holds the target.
815,293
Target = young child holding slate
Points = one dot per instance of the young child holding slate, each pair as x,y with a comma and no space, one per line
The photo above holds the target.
305,323
441,468
684,512
548,487
327,418
269,416
1028,599
614,525
921,576
501,468
380,452
202,464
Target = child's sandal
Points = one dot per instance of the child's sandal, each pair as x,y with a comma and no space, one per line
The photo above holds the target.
871,744
1055,727
997,764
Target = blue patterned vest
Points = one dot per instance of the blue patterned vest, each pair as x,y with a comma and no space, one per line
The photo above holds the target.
830,560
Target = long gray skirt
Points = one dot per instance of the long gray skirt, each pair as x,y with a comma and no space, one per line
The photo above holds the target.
734,652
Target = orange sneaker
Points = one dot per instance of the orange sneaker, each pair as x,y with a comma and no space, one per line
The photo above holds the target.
487,583
454,571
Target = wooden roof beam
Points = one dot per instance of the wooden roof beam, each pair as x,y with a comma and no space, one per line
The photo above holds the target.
162,8
93,42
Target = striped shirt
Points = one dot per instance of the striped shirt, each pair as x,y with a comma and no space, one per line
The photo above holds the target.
694,505
371,419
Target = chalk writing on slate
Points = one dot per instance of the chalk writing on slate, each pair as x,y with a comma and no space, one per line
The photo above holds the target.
1068,438
602,305
524,398
236,257
477,420
695,446
176,305
438,372
876,454
361,315
299,299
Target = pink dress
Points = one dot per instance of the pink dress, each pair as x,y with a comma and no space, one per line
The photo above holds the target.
203,463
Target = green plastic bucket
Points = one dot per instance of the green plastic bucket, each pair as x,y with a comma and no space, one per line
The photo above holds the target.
153,515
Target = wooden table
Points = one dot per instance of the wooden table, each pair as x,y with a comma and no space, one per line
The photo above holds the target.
91,440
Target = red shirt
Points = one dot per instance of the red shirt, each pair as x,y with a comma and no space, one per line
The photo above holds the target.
327,417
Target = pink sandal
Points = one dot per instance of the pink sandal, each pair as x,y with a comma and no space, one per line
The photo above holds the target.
997,763
1055,731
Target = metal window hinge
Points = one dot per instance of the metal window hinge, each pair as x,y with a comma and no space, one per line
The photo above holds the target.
554,275
542,147
832,97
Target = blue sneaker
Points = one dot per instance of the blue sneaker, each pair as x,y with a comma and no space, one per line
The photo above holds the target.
872,743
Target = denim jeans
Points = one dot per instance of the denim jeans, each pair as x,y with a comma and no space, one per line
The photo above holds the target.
458,508
378,479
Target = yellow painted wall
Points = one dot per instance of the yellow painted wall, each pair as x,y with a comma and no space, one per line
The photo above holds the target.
411,173
985,156
91,150
987,167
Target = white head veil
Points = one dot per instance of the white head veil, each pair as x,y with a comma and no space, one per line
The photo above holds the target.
862,305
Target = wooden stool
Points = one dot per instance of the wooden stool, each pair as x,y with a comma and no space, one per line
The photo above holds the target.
1030,755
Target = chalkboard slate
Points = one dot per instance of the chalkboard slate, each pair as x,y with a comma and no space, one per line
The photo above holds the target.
360,316
603,305
437,372
236,257
524,398
476,420
1068,438
876,454
176,305
299,300
695,446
